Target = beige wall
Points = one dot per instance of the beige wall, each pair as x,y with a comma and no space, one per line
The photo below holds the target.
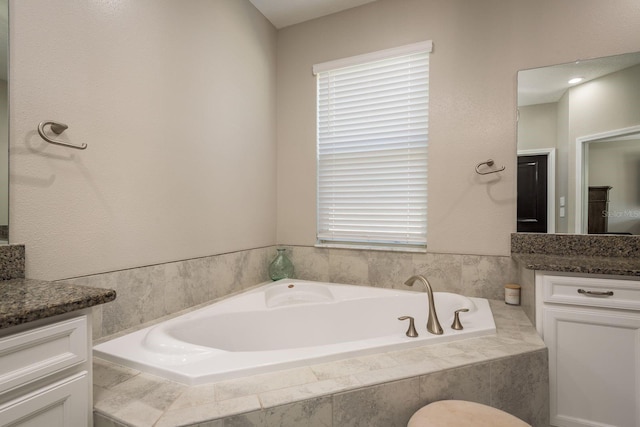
537,126
601,105
478,48
562,160
178,107
617,164
176,101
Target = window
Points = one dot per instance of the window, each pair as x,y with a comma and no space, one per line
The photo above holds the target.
372,129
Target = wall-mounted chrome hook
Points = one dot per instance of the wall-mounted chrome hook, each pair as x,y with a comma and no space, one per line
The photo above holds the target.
56,128
489,163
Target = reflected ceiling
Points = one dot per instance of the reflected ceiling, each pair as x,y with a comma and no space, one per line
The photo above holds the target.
547,84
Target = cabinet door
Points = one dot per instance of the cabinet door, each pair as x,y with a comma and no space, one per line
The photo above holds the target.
594,366
62,404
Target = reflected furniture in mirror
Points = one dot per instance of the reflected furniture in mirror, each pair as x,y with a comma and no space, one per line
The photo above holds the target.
597,223
584,119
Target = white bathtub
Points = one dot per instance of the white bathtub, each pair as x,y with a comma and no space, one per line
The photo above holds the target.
290,323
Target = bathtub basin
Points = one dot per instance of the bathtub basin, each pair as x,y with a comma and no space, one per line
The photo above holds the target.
287,324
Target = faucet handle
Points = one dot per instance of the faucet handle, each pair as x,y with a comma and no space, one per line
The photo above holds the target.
411,332
456,319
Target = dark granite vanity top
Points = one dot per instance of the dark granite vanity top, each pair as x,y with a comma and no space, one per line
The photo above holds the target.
26,300
575,253
580,264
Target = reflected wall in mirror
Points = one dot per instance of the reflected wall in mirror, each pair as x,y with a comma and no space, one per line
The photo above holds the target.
579,147
4,122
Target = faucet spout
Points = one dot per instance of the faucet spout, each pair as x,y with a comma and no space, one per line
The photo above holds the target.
433,325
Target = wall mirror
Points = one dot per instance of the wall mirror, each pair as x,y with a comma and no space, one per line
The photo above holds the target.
579,147
4,122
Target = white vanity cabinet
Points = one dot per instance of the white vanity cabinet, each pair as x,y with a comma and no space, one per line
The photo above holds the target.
591,326
45,373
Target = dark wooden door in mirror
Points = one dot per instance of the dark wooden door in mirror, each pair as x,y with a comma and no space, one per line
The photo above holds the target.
532,194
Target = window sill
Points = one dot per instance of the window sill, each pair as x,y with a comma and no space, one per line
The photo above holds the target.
372,247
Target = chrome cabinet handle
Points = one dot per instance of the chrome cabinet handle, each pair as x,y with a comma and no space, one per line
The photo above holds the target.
596,293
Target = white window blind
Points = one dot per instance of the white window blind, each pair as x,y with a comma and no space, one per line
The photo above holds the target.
372,149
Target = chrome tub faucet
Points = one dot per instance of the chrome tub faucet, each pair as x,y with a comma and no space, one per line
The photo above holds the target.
433,325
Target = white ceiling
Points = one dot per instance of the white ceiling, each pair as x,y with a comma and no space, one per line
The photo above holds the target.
283,13
548,84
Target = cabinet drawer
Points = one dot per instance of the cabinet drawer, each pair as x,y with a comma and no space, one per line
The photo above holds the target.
30,355
593,292
62,404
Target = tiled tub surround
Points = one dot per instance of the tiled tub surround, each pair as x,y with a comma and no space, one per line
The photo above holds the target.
480,276
149,293
507,371
287,324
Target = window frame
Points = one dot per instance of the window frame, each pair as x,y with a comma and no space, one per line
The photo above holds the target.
360,60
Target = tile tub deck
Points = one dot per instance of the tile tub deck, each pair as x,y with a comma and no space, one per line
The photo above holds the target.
507,370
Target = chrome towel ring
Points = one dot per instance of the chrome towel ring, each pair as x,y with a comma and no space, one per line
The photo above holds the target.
57,128
489,163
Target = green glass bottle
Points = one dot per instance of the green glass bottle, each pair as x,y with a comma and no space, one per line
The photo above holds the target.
281,267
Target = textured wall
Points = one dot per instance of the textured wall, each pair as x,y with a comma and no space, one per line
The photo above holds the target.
177,106
478,48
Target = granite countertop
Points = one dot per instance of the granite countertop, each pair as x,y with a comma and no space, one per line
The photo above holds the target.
26,300
623,266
